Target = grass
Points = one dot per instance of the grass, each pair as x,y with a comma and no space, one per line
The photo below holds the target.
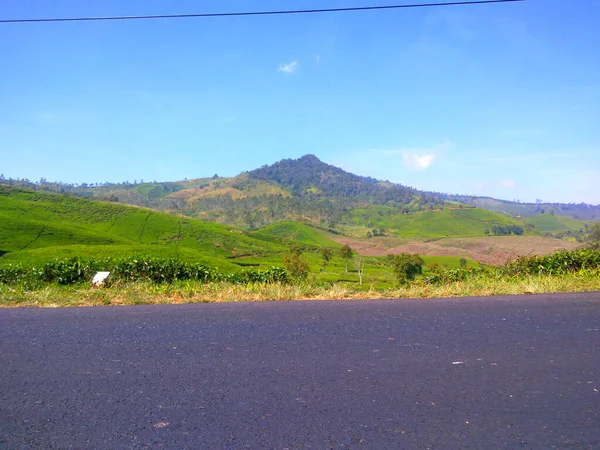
195,292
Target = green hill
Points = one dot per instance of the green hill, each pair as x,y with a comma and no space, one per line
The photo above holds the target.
37,227
446,222
582,211
558,225
295,232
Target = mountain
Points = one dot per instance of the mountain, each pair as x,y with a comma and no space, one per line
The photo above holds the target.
305,190
308,177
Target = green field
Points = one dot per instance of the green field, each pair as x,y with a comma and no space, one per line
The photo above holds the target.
555,223
448,222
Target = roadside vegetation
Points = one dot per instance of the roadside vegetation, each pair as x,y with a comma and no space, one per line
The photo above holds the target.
153,281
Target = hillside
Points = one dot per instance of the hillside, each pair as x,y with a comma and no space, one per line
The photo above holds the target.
292,232
38,226
449,221
557,225
581,211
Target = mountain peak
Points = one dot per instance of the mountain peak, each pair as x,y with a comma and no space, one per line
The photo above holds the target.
309,158
306,175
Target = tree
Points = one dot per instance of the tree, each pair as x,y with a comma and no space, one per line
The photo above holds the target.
360,268
346,253
406,266
594,237
326,254
296,266
296,249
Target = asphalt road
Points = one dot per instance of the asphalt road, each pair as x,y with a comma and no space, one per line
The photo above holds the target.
480,373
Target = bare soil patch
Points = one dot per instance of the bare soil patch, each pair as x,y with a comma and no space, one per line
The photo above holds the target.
488,250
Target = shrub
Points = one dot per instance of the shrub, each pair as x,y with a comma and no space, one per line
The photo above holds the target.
406,266
272,275
554,264
558,263
296,266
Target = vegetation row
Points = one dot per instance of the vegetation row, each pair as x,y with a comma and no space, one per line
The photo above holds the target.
559,263
406,268
157,270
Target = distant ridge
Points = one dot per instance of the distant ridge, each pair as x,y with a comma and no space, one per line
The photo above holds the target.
303,189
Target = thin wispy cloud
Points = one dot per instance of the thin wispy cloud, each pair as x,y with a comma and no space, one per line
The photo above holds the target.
289,67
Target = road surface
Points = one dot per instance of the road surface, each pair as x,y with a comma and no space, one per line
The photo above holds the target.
497,372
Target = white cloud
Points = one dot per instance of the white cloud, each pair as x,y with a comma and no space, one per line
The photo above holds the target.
399,165
417,158
508,183
418,162
288,68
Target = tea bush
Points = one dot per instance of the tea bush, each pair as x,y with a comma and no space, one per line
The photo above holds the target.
156,270
554,264
559,263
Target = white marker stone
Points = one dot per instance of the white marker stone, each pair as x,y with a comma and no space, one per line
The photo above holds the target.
100,278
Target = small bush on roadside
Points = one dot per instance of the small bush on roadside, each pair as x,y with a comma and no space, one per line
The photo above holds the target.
296,266
406,266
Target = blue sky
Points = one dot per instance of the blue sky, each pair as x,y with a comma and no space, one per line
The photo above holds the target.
500,100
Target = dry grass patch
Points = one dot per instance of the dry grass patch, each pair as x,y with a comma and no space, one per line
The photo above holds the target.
495,250
196,292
